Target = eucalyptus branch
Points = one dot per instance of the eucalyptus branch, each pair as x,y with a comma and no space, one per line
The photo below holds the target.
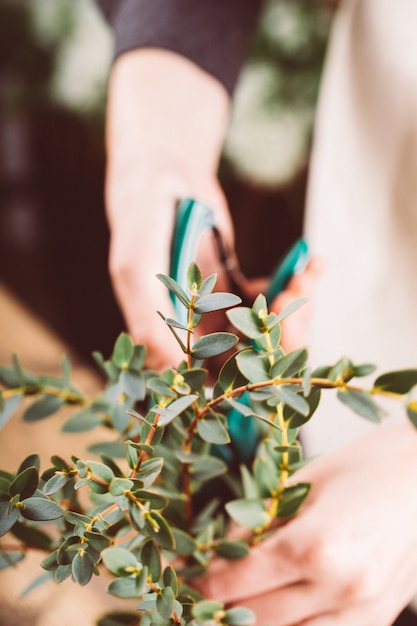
162,520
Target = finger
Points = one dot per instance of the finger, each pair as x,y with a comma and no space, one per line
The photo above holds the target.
301,285
260,572
289,605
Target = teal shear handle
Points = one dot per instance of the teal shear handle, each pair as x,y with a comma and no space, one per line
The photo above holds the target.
193,218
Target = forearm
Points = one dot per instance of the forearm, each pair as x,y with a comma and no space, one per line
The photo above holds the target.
163,111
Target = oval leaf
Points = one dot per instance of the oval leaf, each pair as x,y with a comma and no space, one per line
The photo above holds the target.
400,381
362,403
250,513
231,549
40,509
212,430
25,484
216,302
120,561
123,351
43,407
213,344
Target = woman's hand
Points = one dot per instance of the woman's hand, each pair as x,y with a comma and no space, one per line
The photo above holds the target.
349,557
165,129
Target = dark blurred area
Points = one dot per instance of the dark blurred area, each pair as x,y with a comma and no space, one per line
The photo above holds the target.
53,233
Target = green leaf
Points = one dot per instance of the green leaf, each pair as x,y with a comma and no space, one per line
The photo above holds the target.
343,370
241,407
206,610
63,572
133,385
7,517
9,377
150,470
32,460
362,403
138,360
184,543
212,430
59,463
50,562
208,285
119,485
109,369
82,567
250,490
117,618
274,338
155,500
231,549
266,477
292,499
9,408
165,603
291,308
26,483
40,509
101,471
216,302
160,531
161,387
306,376
43,407
207,467
239,616
31,536
82,422
120,561
96,540
175,288
111,448
213,344
194,277
400,381
412,412
150,556
289,365
253,366
77,518
45,577
170,579
10,558
246,320
195,378
132,587
295,419
250,513
123,351
230,375
293,400
364,369
174,409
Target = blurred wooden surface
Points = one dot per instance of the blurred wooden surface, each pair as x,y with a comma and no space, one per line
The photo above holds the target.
41,351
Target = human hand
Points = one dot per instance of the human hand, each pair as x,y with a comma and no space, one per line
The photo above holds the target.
349,557
166,121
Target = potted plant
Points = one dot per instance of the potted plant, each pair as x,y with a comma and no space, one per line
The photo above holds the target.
184,462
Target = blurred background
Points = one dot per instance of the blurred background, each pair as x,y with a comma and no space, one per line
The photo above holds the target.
54,63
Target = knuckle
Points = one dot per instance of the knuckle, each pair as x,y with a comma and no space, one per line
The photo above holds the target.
361,586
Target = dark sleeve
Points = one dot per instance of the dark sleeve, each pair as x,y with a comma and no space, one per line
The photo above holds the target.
215,34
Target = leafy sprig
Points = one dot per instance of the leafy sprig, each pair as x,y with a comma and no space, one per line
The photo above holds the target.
179,467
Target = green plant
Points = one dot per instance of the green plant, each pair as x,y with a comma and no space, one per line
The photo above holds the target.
159,513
